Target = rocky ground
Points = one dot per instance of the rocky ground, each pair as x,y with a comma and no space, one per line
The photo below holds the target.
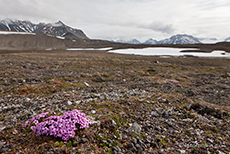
137,104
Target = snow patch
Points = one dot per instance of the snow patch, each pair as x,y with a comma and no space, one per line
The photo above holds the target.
157,51
11,32
89,48
59,37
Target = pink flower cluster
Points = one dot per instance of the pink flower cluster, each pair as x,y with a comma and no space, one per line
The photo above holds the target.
63,126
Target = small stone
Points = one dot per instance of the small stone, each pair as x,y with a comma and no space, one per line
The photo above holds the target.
154,113
119,149
135,127
103,141
93,112
165,114
220,152
116,148
99,79
161,151
109,141
134,140
148,145
138,147
84,140
69,102
142,144
102,97
124,136
147,141
158,128
182,151
87,85
131,145
77,102
2,128
15,132
210,140
74,144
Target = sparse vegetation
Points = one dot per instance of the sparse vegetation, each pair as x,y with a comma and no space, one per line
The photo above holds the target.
121,90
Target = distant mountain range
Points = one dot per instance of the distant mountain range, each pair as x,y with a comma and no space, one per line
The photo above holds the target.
175,39
54,29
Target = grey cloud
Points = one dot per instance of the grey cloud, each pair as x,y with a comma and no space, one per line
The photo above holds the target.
159,27
126,18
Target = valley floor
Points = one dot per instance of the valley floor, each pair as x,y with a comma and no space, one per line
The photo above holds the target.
138,104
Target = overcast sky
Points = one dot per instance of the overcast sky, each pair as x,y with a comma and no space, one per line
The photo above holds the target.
128,19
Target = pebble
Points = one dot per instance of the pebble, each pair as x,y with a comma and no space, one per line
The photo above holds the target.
134,140
69,102
130,145
93,112
165,114
74,144
135,127
84,140
27,99
109,141
154,113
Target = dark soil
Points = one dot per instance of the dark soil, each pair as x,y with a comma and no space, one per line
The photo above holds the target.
138,104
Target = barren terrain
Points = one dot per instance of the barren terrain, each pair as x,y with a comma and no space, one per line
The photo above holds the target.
138,104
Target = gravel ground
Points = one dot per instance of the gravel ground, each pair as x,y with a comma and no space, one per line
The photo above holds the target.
137,104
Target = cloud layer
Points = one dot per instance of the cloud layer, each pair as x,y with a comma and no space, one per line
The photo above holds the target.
126,19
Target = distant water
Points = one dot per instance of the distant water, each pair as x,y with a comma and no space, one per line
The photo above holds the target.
170,52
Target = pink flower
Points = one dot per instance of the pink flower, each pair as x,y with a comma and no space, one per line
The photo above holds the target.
63,126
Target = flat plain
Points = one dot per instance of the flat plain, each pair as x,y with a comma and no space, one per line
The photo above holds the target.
138,104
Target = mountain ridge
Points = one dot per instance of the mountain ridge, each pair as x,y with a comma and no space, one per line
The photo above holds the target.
227,39
54,29
175,39
25,35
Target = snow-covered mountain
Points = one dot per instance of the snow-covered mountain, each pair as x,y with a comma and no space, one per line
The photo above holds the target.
227,39
150,41
175,39
180,39
133,41
17,26
56,29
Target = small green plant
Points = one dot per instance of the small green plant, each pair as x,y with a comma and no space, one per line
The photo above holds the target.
69,144
79,151
135,135
163,143
215,129
97,137
188,132
194,148
173,140
117,134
